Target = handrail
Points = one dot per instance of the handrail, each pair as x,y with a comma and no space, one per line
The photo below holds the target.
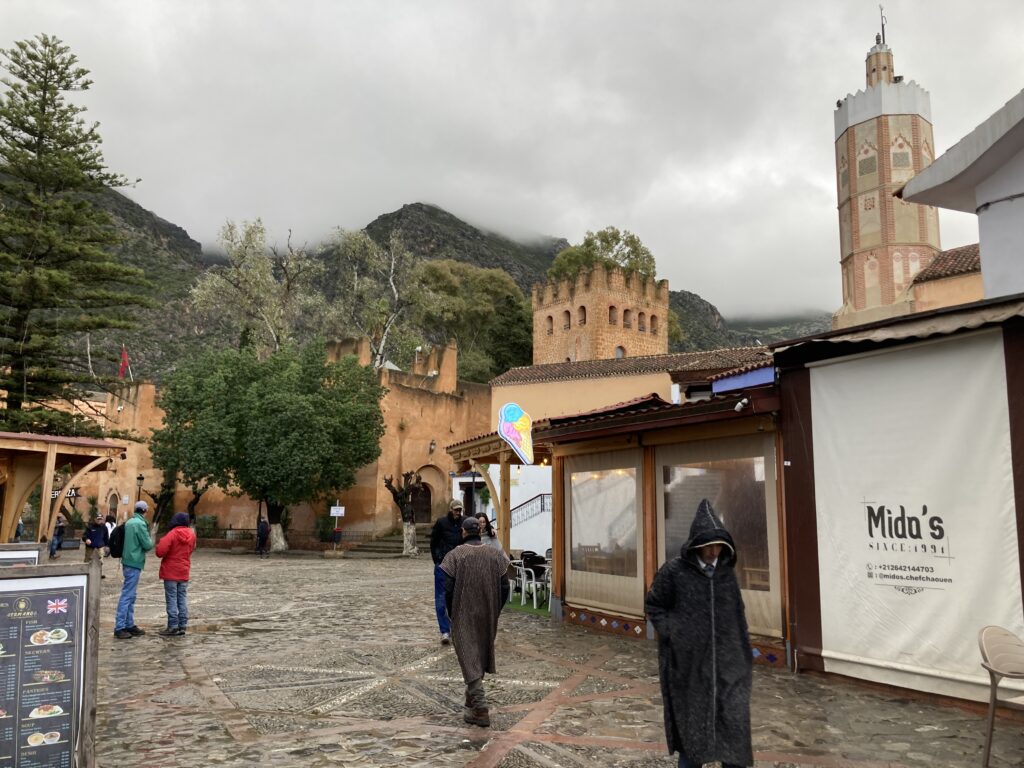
531,508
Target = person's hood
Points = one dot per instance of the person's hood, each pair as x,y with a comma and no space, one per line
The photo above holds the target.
707,528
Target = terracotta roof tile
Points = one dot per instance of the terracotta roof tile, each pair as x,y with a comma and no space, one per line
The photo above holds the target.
708,360
955,261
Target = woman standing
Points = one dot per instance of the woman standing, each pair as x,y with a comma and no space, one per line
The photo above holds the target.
487,533
175,551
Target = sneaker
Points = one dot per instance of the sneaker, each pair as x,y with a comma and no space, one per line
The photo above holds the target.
478,716
123,634
136,631
169,632
445,638
180,631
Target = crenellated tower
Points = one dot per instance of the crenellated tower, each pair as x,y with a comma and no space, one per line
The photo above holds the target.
602,314
883,137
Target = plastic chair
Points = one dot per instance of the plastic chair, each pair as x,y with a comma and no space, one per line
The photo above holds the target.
1002,654
515,578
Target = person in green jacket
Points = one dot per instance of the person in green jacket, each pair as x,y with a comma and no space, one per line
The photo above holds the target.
137,542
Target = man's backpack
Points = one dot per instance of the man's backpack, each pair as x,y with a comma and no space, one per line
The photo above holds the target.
116,541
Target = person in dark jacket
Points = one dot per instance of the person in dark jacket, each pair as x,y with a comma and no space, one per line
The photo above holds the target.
704,656
57,540
445,536
94,540
262,537
175,553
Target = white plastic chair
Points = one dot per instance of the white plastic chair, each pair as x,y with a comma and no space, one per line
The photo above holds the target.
1002,654
515,578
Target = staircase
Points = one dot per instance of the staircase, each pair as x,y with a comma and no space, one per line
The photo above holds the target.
391,545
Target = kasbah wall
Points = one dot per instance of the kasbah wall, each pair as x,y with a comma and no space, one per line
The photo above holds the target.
590,317
423,406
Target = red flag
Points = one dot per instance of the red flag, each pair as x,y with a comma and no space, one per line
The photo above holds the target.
124,363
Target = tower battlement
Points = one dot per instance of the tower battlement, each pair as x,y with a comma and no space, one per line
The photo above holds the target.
602,314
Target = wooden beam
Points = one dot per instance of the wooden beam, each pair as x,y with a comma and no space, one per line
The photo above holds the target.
59,501
558,549
45,521
505,512
650,515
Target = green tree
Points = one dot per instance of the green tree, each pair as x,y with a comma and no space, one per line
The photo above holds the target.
58,281
608,248
266,296
369,288
286,429
482,310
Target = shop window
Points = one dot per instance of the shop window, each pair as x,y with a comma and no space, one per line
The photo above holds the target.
566,320
603,534
581,316
736,489
613,316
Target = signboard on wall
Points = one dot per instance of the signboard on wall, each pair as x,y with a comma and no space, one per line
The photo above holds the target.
19,554
917,538
516,428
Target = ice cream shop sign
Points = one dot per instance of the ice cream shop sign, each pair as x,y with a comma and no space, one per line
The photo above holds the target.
516,428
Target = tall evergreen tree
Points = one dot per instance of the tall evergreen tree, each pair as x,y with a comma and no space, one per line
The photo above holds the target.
57,280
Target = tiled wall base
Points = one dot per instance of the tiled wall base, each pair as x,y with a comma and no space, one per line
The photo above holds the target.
765,651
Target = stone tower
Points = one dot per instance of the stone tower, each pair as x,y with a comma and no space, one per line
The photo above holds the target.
883,137
602,314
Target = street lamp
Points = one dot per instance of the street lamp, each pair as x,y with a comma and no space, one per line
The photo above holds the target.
138,483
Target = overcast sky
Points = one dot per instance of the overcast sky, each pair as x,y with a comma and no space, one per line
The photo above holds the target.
705,128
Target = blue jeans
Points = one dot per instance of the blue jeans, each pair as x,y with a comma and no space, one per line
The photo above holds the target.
125,618
176,595
55,542
443,622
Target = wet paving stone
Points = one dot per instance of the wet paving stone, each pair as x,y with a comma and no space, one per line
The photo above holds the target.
301,661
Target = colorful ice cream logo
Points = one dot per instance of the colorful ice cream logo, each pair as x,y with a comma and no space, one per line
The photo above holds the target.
514,427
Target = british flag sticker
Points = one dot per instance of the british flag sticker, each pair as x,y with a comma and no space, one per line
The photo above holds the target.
60,605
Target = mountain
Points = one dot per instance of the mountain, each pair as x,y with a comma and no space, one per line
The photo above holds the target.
433,233
171,261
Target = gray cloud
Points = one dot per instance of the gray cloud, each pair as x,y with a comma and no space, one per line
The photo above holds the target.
704,128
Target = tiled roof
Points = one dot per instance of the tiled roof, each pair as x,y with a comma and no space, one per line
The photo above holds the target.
708,360
955,261
637,404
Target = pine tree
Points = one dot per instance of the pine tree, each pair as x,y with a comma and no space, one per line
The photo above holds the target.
58,281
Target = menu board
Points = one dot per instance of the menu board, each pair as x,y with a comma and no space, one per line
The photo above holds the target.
42,665
11,557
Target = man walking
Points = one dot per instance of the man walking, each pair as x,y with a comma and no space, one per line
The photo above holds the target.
703,648
57,540
476,589
444,537
137,542
94,540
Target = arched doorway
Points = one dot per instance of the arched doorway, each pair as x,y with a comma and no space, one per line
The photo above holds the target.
112,504
421,503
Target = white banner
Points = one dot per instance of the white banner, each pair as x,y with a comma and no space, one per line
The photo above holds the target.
917,534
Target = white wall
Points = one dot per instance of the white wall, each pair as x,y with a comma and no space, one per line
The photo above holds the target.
1001,230
526,482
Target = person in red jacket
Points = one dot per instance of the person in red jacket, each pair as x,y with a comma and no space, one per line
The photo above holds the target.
175,553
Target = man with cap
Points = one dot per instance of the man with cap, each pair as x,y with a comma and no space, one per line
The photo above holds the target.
704,656
445,536
476,589
137,542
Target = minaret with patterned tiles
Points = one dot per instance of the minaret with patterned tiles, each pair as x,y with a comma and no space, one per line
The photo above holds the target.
883,137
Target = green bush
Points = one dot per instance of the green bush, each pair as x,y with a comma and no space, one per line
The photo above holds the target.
324,527
206,526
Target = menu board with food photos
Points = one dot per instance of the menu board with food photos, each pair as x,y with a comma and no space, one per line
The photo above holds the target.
42,668
19,554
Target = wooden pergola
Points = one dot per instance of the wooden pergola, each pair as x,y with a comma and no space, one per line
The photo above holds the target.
28,460
491,449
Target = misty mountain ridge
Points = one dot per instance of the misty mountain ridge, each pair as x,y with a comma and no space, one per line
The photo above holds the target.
173,261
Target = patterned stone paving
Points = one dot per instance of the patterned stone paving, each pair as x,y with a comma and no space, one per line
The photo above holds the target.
300,661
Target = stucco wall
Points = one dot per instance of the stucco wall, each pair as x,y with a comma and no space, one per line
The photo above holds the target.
948,292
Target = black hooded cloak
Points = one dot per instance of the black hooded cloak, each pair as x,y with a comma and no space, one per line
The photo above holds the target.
704,656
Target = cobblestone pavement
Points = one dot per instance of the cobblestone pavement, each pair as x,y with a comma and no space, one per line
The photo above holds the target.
301,661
